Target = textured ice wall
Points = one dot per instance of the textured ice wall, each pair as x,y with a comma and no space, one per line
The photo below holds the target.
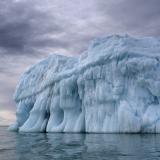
113,87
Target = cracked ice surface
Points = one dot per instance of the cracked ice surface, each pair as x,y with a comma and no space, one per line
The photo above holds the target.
114,86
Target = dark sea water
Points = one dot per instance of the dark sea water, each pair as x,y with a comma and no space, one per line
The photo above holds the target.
38,146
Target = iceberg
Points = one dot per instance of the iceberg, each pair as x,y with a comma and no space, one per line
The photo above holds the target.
113,87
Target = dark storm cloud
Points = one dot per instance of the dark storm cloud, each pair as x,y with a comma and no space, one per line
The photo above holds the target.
33,27
23,27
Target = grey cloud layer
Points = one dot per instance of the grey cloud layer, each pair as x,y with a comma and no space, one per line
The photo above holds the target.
140,17
29,26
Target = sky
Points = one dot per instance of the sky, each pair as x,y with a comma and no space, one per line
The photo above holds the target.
30,30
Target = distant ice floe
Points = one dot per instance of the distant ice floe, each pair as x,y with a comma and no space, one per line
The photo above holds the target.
113,87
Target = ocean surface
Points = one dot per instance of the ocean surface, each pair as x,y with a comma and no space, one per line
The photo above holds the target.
38,146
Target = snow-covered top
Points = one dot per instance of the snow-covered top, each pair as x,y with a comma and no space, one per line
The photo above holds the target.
101,51
119,46
116,44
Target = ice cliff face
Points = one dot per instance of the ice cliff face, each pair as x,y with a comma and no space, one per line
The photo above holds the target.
113,87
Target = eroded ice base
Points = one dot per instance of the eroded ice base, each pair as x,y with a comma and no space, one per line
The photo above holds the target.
113,87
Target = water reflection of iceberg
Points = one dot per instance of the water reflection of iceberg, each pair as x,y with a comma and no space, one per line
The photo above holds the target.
86,146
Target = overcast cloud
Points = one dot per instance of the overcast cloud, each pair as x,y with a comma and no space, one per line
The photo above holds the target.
32,29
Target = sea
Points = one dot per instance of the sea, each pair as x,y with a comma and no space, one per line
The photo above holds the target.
62,146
